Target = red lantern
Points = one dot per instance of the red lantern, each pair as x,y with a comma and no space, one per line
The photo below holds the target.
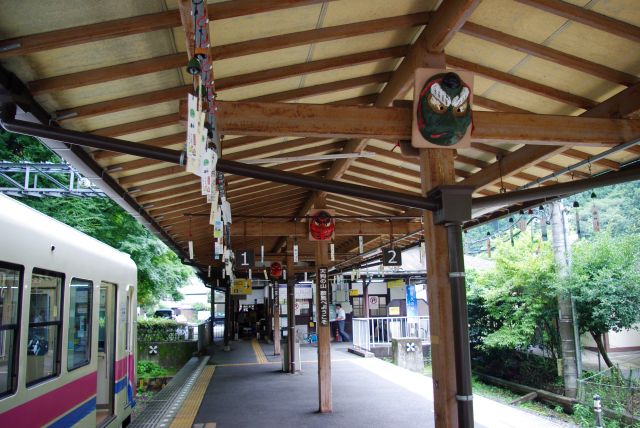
275,270
321,226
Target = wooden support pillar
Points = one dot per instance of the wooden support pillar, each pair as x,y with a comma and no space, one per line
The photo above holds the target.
276,318
436,168
291,312
323,330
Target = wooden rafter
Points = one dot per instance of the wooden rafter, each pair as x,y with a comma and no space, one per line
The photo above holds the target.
520,83
548,54
234,50
623,104
587,17
136,25
231,82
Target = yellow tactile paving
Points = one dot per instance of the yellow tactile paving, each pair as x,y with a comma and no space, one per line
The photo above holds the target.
262,359
189,409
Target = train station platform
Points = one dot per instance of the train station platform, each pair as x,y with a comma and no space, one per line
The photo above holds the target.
246,388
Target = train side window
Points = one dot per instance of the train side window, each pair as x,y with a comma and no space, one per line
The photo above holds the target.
79,337
11,277
45,326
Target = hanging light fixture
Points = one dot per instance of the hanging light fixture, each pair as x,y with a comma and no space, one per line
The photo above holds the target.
576,204
593,195
521,212
530,212
510,219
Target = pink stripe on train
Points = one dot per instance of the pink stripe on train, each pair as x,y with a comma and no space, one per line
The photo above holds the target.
53,404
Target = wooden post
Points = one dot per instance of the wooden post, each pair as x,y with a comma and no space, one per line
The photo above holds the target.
324,331
276,318
436,168
291,312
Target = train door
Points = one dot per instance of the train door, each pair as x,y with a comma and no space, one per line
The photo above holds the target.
106,353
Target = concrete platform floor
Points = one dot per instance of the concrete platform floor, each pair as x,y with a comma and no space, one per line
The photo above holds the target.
367,393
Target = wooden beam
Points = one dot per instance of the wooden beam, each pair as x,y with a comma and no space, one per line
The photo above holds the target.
446,21
309,67
158,186
151,175
496,105
623,104
436,170
324,88
548,54
164,141
520,83
136,25
343,228
587,17
138,126
336,32
159,196
329,121
180,92
324,148
234,50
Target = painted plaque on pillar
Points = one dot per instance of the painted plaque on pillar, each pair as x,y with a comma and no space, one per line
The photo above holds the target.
391,257
323,288
245,259
442,104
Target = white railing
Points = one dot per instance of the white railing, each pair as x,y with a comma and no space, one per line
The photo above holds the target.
377,332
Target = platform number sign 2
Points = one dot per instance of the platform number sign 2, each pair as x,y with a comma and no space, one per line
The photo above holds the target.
392,257
245,259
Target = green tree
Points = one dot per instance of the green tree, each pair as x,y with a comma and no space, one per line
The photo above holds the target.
515,303
605,282
22,148
160,272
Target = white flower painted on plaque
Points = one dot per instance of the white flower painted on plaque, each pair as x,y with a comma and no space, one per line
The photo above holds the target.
153,349
411,347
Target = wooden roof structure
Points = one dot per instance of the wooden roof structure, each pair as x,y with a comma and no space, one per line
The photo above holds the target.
117,69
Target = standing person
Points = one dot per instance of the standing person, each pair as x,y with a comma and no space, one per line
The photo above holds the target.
340,317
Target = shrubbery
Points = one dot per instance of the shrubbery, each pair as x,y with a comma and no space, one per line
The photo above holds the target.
160,330
149,369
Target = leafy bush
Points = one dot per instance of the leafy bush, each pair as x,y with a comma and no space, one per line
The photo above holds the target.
160,330
147,369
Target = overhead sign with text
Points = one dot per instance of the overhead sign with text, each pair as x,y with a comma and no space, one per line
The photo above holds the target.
392,257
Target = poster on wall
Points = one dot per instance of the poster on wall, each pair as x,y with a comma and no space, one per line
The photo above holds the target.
442,105
412,301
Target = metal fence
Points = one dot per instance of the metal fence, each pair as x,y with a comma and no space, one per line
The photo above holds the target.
376,332
619,390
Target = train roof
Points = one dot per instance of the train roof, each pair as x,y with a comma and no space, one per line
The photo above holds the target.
18,219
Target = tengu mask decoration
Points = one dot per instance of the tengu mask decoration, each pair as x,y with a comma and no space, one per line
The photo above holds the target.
444,109
275,270
321,226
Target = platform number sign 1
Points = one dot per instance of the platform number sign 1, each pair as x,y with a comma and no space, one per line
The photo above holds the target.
392,257
245,259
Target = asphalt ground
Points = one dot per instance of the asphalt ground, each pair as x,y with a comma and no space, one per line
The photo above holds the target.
367,393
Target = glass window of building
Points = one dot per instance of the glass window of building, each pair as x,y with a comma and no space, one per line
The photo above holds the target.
10,293
79,341
45,309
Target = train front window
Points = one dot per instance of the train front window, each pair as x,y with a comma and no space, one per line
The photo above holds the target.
10,292
79,341
45,308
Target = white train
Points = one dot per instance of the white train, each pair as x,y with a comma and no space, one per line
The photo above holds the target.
67,325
